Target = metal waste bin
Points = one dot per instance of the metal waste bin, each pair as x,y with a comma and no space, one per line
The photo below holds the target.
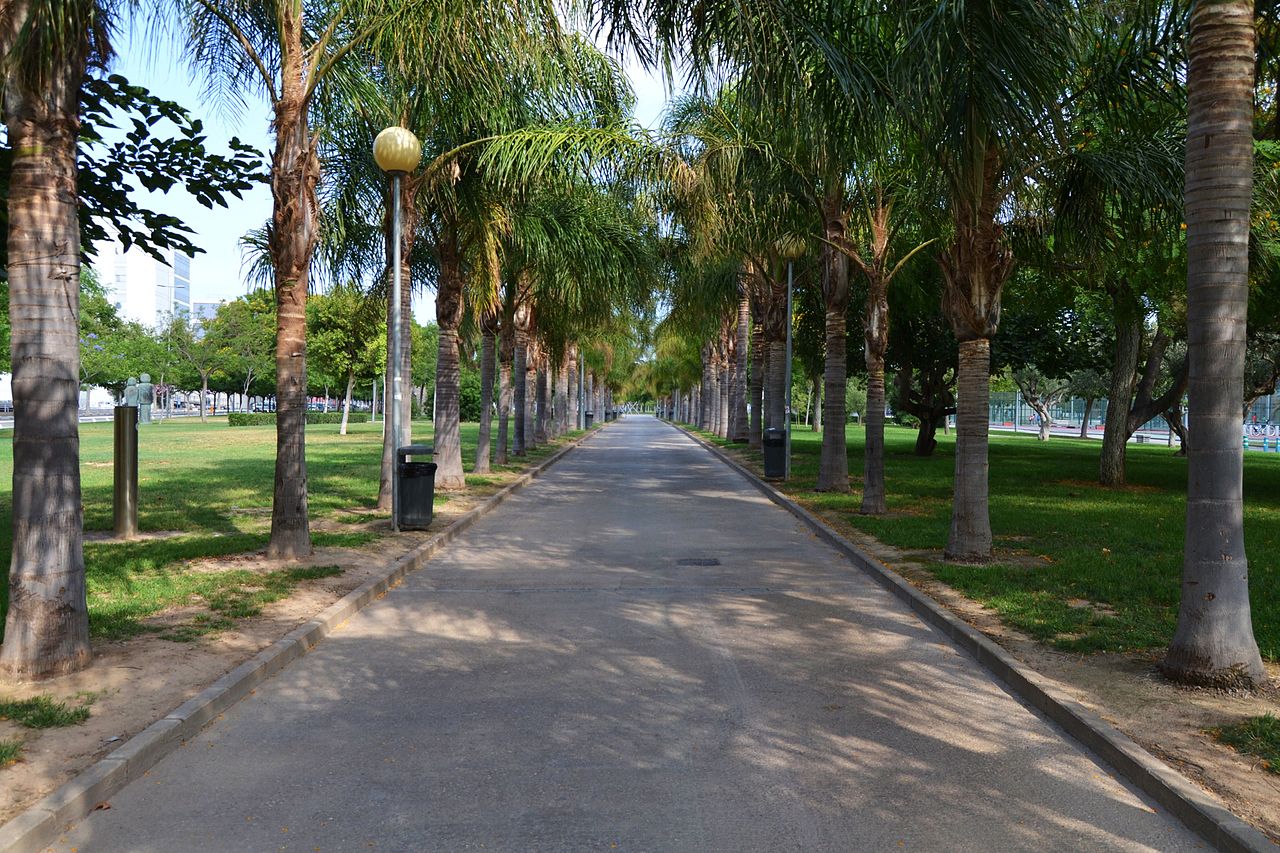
775,452
416,483
587,417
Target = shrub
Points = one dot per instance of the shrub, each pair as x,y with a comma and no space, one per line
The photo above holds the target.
237,419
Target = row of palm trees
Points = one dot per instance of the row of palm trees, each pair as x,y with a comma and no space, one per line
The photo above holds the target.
869,138
851,133
522,219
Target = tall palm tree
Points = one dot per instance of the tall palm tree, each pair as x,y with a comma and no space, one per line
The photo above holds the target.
289,50
1214,642
45,52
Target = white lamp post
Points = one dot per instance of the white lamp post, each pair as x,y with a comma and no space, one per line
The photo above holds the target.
397,152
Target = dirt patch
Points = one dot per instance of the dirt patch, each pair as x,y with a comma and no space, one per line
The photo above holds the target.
135,682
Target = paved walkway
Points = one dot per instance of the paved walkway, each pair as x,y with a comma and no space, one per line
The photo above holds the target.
638,652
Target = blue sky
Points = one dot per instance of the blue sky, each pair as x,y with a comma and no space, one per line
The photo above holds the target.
216,274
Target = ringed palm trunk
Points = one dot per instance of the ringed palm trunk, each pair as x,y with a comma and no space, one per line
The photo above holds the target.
572,410
531,395
487,361
975,268
561,421
521,392
776,376
449,306
755,388
970,538
541,430
877,344
1214,642
725,387
833,468
741,354
506,354
295,170
47,626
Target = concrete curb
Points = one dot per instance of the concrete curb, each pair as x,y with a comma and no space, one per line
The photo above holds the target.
1203,813
34,829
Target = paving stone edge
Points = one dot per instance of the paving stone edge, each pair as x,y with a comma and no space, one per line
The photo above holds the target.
1202,812
34,829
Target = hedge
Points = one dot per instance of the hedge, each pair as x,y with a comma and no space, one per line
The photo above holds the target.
269,418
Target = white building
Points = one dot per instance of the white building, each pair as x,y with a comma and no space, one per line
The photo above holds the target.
143,289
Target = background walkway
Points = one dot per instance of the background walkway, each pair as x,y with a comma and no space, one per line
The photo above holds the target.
637,652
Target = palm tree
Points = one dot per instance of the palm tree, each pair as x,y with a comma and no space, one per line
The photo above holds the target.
276,48
46,49
1214,643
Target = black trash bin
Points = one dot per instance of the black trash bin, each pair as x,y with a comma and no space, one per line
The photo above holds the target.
586,419
417,487
775,452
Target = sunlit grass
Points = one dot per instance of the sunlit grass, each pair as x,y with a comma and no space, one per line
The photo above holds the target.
10,751
1079,566
1256,736
43,712
213,484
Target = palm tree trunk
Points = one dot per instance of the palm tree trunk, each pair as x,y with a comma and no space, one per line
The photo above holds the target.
574,390
449,307
1115,432
562,399
47,626
725,388
295,170
777,379
487,360
531,395
833,467
520,398
818,398
1214,643
970,538
742,355
541,431
873,486
756,387
506,355
346,402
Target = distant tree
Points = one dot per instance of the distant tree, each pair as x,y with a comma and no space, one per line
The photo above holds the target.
346,337
243,331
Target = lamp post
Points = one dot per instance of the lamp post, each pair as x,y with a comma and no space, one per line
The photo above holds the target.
397,152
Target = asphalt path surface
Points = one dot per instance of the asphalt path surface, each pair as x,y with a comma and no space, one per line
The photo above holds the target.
638,652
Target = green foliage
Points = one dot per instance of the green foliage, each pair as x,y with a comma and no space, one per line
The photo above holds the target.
43,712
10,751
346,336
243,335
1257,736
469,394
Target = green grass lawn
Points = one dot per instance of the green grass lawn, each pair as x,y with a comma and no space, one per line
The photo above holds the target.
213,483
1081,567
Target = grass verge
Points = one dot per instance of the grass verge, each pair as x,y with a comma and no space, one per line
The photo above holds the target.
1256,736
214,485
1078,566
10,751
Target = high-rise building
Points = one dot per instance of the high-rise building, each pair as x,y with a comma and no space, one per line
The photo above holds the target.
142,288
